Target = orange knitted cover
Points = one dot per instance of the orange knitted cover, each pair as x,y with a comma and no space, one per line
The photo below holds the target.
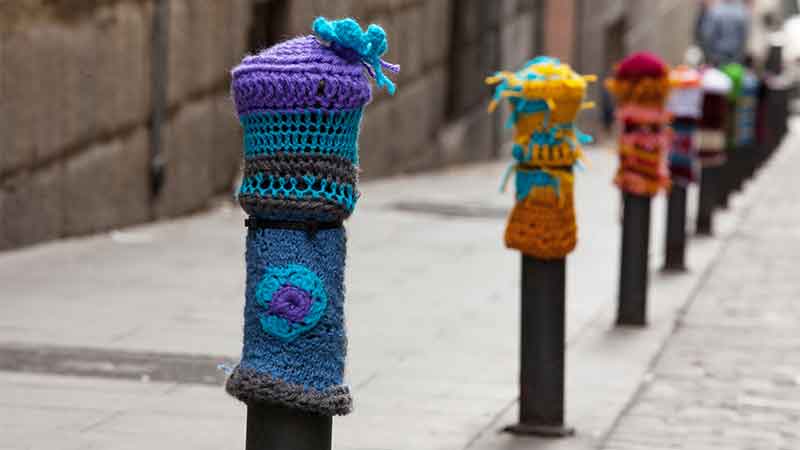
543,225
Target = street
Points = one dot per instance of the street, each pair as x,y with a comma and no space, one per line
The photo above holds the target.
133,323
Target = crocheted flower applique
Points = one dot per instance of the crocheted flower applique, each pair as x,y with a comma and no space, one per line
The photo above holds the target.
346,38
293,298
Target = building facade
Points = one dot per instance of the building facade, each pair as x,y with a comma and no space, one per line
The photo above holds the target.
117,112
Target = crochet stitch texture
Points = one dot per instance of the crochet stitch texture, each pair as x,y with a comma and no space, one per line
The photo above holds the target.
544,98
641,85
304,97
300,105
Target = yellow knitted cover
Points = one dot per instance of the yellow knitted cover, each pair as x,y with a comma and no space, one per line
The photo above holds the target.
545,98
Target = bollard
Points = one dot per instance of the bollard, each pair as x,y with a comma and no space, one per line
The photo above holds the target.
711,146
641,85
675,259
724,173
275,427
545,98
632,307
542,349
708,200
300,104
685,103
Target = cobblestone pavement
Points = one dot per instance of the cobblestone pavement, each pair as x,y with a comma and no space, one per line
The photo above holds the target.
730,376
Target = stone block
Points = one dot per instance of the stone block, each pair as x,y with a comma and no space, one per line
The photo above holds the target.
187,145
374,141
471,65
226,155
32,207
200,47
408,41
69,81
239,27
20,91
436,32
108,185
300,15
469,21
470,138
121,72
411,125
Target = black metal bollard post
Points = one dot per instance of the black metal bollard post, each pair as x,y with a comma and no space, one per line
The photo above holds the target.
676,230
632,308
723,183
708,193
273,427
542,347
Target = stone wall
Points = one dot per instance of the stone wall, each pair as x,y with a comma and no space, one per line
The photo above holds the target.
115,112
76,106
98,132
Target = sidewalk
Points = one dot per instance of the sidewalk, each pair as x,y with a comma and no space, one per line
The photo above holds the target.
730,377
112,341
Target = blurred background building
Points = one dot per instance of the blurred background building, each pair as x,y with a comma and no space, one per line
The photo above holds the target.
116,112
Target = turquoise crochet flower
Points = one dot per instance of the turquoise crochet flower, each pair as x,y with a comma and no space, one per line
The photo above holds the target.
346,37
294,299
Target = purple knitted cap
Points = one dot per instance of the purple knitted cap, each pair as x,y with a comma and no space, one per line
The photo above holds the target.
299,74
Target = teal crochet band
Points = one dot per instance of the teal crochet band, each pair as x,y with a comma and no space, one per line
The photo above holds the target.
528,179
306,187
304,132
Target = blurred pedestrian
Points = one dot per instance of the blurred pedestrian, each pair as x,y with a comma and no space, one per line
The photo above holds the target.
723,32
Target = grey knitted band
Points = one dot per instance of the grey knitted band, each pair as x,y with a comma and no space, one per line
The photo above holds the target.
319,209
331,168
251,386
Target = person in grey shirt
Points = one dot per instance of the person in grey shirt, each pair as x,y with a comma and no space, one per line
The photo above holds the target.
723,32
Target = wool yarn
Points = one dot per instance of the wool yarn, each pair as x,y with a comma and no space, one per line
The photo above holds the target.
684,103
544,99
300,105
711,127
641,86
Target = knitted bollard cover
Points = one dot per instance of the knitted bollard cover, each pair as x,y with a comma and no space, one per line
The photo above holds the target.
544,98
743,95
711,128
300,104
640,86
684,103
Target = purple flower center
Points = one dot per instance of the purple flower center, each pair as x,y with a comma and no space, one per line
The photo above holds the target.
291,303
